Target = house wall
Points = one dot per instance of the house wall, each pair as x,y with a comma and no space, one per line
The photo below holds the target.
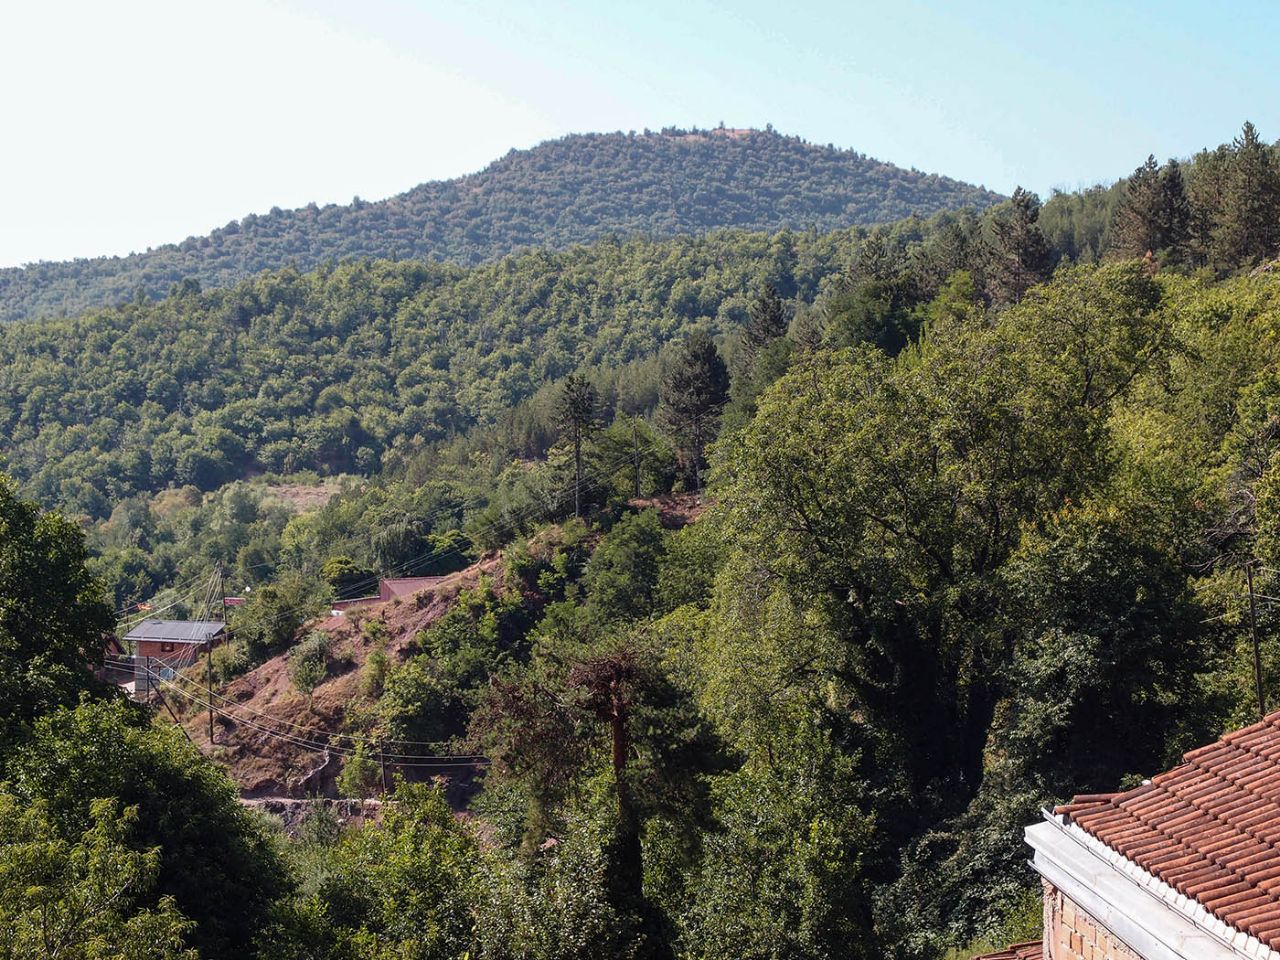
1071,934
404,586
182,654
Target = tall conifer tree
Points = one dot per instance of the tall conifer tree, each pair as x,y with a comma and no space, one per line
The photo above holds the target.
1137,226
1017,255
693,393
1248,229
1176,213
578,417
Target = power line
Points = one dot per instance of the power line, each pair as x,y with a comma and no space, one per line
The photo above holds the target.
129,623
361,738
423,558
509,523
315,744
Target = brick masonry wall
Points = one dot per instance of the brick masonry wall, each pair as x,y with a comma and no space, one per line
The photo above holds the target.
1071,934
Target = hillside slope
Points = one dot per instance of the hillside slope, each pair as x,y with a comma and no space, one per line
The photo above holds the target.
271,738
331,369
573,190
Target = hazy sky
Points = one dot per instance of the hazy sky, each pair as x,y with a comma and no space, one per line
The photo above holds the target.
128,124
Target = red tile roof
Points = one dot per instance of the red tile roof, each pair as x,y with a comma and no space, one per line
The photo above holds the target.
1209,828
1031,950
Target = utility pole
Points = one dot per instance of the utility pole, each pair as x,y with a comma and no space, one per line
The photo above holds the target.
1257,649
382,762
208,668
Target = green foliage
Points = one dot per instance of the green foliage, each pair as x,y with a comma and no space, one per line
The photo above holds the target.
309,661
782,876
286,371
215,861
361,775
695,388
1019,254
52,615
623,572
960,529
555,905
1243,214
1154,215
874,302
687,567
347,578
430,697
84,897
577,416
405,888
267,622
575,190
373,676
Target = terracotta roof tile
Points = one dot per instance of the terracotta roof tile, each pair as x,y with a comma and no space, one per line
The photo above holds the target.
1031,950
1209,828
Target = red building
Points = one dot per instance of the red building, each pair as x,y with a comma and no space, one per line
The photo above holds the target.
175,643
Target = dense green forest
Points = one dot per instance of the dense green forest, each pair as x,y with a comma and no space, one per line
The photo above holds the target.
975,501
574,190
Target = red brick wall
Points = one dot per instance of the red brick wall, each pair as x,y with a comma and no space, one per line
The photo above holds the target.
1071,934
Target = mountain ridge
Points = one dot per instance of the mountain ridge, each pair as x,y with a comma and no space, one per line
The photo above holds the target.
572,190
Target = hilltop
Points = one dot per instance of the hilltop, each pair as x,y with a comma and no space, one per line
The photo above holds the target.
563,192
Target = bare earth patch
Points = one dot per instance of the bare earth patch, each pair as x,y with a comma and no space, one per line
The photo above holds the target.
271,739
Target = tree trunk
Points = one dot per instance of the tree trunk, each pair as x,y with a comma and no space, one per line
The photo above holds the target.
577,473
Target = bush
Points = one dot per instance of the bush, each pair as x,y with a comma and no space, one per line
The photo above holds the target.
373,677
360,775
82,892
309,662
272,614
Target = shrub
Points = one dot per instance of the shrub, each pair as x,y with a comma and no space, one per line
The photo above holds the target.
309,662
374,676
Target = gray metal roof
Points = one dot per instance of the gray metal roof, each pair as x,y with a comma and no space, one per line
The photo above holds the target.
177,631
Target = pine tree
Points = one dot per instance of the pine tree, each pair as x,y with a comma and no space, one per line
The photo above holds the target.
944,253
1176,214
692,394
763,353
1206,188
578,417
1153,216
1017,255
1248,229
1137,227
766,321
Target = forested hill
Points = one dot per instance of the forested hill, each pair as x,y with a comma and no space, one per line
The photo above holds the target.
573,190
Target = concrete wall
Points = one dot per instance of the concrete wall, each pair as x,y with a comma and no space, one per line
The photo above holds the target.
1071,934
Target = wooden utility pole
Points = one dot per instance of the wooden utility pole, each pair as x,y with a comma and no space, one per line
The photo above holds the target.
1257,649
208,670
382,762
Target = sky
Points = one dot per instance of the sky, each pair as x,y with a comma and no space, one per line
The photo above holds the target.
130,124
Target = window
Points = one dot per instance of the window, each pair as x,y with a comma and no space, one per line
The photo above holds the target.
166,647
